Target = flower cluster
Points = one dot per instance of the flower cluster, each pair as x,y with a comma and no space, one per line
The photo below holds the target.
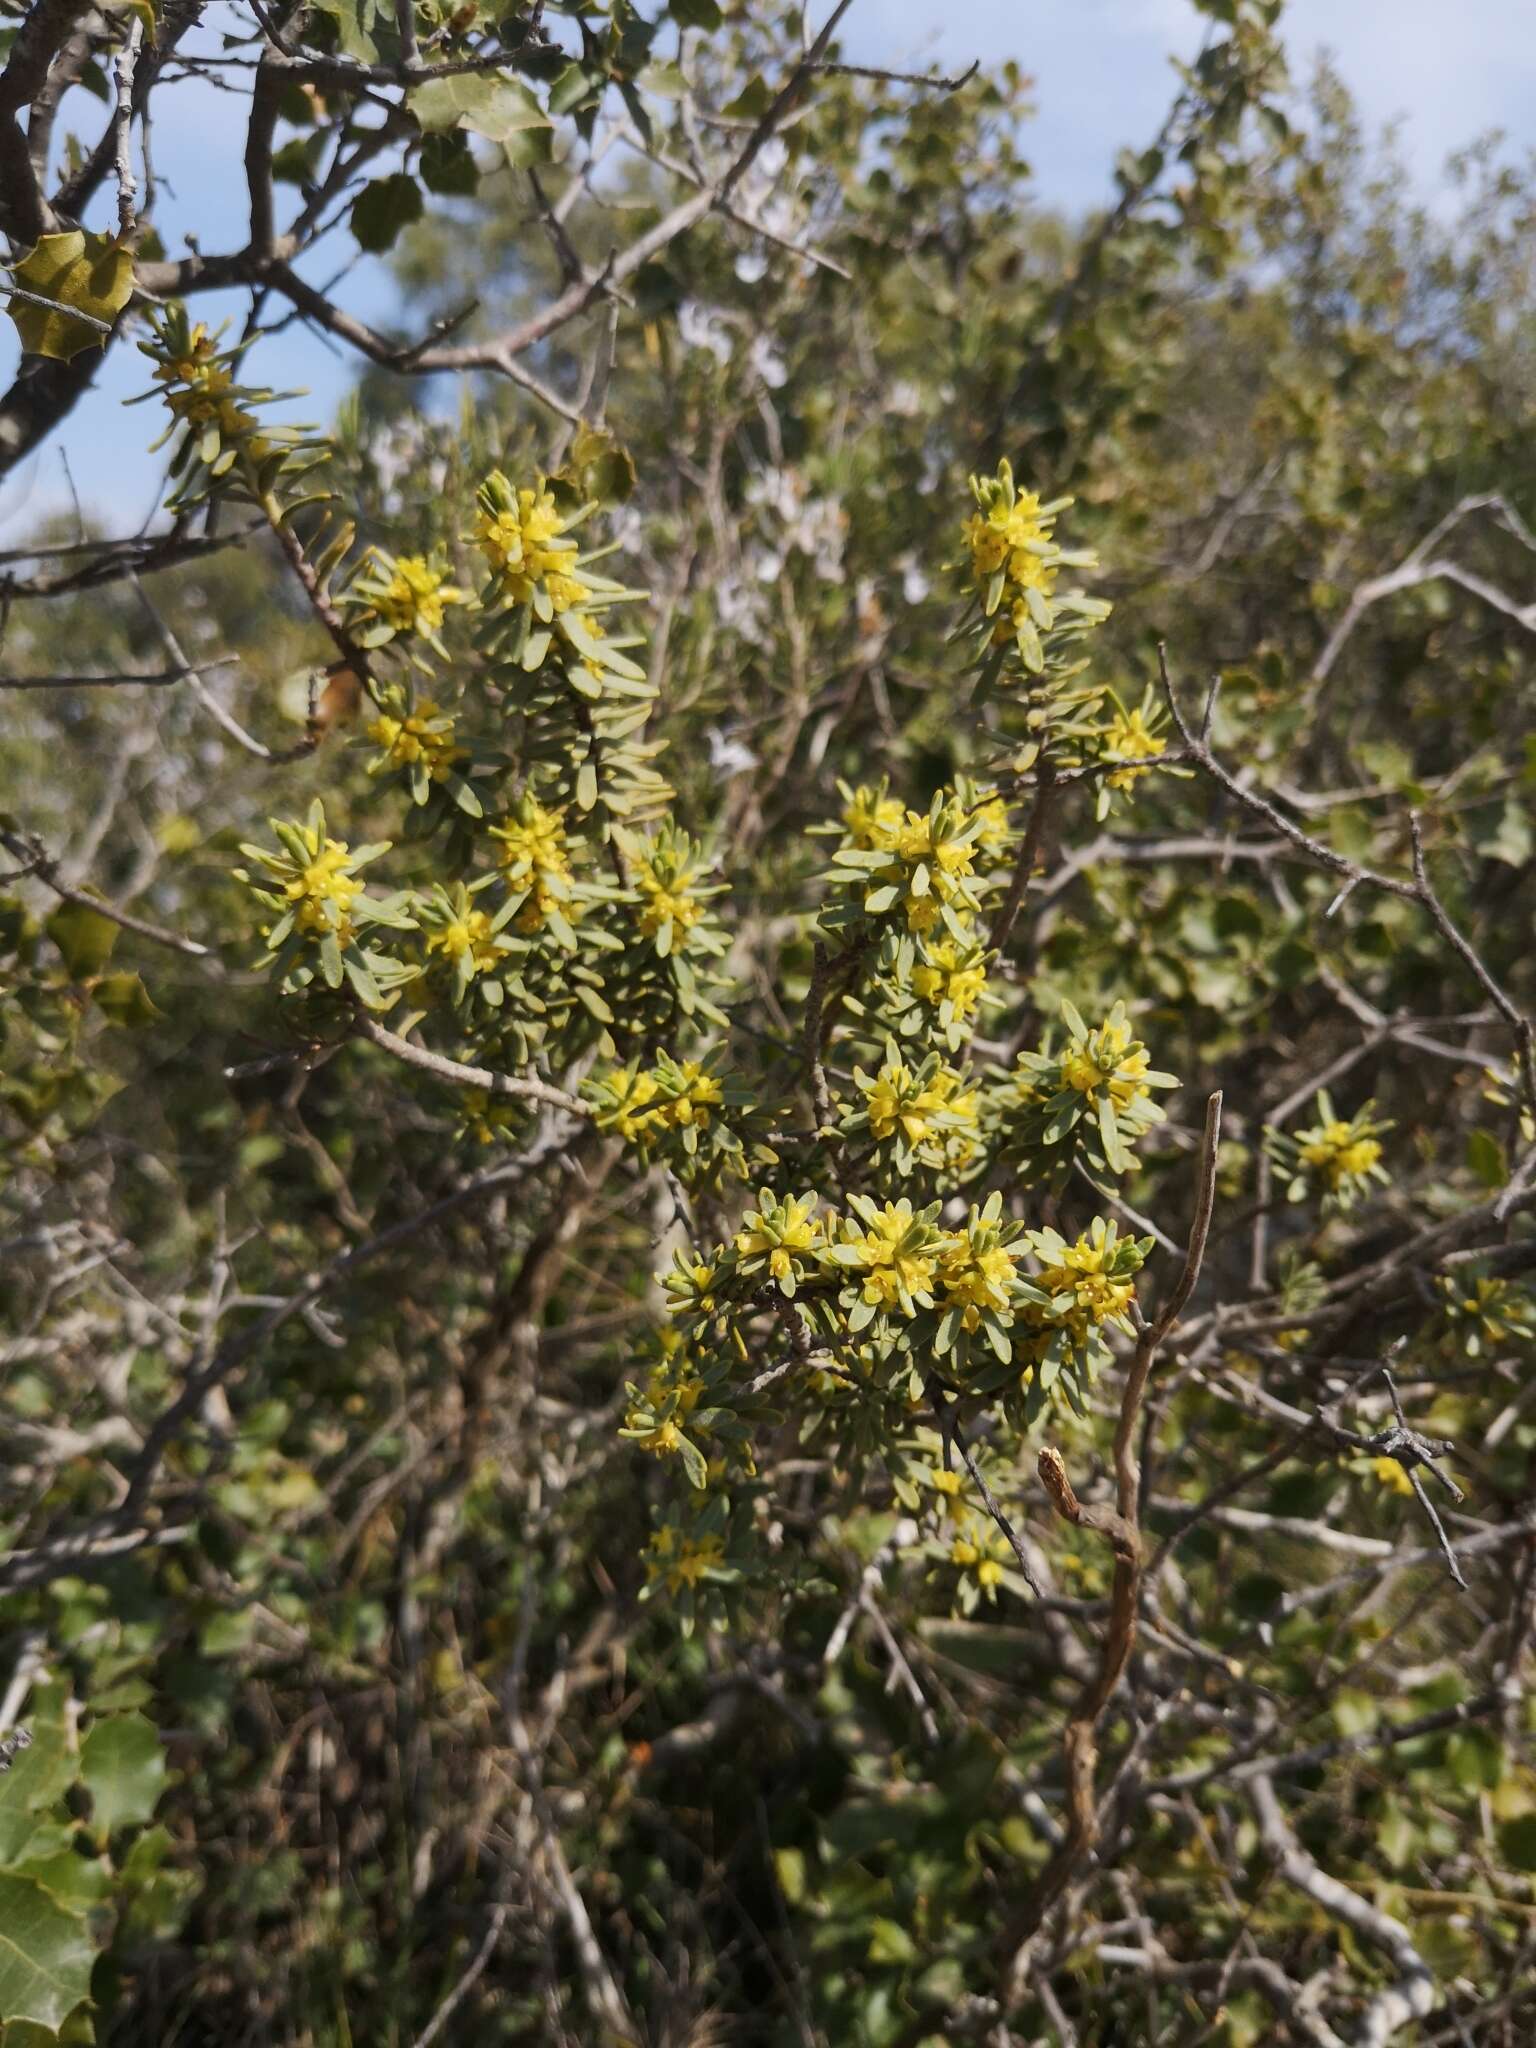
917,1116
1335,1158
403,597
198,385
1087,1100
921,878
535,856
782,1239
526,540
1013,562
418,741
1135,736
891,1276
320,909
918,883
1486,1313
667,872
685,1111
471,943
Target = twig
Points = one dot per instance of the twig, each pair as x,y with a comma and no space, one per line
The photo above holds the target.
42,864
1516,1019
124,66
1029,852
925,79
525,1087
159,679
482,1955
1411,1451
16,291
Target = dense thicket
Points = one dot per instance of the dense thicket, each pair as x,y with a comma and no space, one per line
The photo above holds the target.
671,1417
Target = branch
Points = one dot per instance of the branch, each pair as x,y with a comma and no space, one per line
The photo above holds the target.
1119,1526
232,1354
1415,569
1029,853
524,1087
1415,1995
42,864
25,214
127,185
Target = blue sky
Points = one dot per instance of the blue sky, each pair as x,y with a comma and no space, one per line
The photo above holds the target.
1101,81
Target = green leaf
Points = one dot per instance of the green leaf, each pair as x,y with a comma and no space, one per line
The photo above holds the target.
123,1767
605,469
889,1942
448,165
1476,1759
1485,1156
1355,1712
695,13
46,1954
382,209
1511,841
693,1463
1517,1841
487,104
125,1000
358,23
93,274
84,937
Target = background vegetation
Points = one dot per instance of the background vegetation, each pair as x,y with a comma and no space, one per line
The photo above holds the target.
355,1690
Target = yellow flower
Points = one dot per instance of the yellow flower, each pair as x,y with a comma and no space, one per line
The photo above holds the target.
942,978
872,820
681,1562
1127,737
1080,1271
950,1488
1390,1474
325,891
1102,1061
895,1102
982,1556
525,547
701,1093
630,1115
421,735
467,936
793,1229
533,852
1001,537
974,1279
1338,1153
415,597
894,1273
665,902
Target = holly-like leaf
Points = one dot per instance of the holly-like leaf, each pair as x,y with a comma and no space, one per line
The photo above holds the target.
123,1767
81,274
605,468
382,209
84,937
125,1000
46,1954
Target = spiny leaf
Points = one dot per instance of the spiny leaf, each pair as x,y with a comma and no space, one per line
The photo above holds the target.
80,273
46,1954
